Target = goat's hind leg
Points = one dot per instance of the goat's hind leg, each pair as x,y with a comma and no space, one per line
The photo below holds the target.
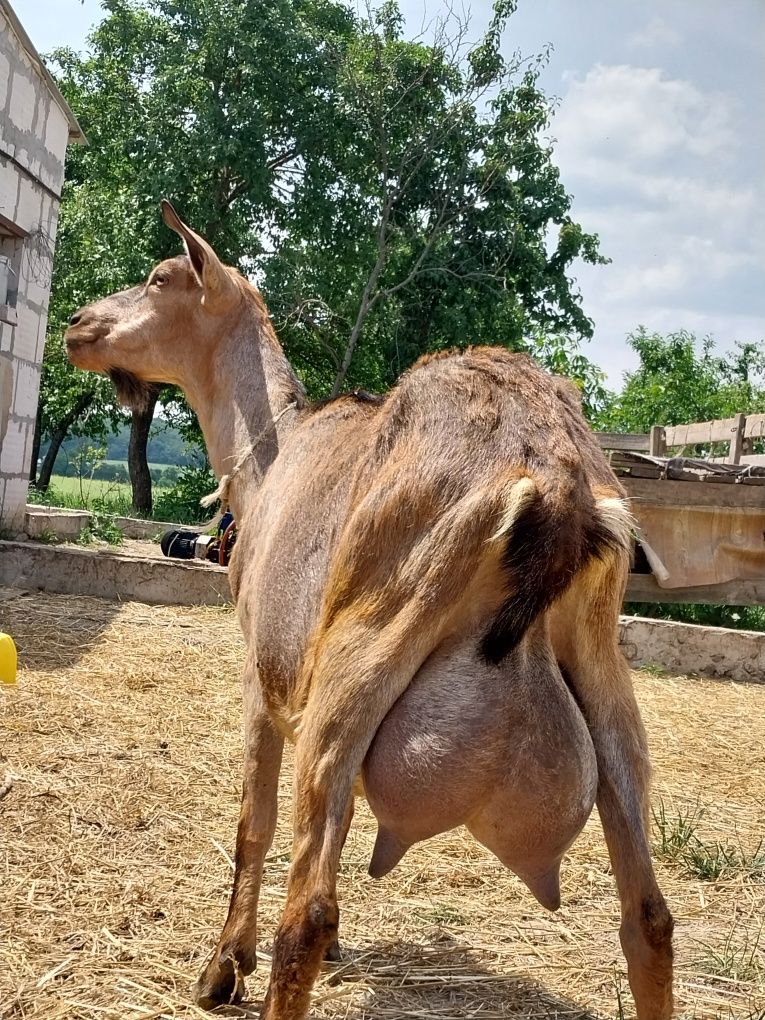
336,730
235,955
333,953
585,638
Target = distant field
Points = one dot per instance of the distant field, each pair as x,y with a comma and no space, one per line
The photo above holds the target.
152,464
91,489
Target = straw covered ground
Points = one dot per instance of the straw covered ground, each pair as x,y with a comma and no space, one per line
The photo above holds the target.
119,765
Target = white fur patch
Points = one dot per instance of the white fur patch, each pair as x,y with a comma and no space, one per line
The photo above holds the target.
521,493
617,518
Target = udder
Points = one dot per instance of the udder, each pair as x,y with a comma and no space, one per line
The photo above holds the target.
501,749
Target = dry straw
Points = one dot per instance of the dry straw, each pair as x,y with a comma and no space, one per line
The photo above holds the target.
119,763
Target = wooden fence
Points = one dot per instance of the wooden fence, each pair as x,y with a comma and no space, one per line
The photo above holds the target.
739,434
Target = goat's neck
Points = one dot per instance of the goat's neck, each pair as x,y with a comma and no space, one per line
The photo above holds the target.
239,397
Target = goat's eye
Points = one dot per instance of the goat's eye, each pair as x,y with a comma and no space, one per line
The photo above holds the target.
160,279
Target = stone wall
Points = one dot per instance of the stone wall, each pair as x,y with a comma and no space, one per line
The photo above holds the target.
683,648
34,130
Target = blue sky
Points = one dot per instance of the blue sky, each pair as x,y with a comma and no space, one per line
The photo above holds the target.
660,138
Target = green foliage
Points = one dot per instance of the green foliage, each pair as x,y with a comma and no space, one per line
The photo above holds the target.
675,831
440,209
389,192
168,446
737,959
734,617
102,526
181,503
679,842
67,493
561,356
680,379
48,537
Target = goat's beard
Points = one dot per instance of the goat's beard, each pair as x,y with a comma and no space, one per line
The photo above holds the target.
133,392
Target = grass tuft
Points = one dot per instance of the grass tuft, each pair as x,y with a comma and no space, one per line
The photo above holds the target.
678,842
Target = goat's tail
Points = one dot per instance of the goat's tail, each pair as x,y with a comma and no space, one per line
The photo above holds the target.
550,532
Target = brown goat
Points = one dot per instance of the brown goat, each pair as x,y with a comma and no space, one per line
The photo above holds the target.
429,585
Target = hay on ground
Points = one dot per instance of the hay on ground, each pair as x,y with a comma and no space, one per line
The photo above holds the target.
120,750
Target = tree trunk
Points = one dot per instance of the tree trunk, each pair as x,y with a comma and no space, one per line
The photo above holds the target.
35,449
58,435
138,466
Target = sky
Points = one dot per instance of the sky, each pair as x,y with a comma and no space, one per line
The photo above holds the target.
660,139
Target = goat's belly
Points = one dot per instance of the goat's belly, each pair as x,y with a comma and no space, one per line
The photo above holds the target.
504,751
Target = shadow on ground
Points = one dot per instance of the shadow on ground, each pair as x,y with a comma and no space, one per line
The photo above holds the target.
53,631
444,980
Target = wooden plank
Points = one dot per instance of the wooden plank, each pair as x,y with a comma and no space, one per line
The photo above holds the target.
718,431
657,443
637,442
624,471
643,588
754,459
665,492
737,440
755,426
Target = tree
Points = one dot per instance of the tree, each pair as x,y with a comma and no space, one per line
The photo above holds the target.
185,99
451,225
391,196
680,379
85,267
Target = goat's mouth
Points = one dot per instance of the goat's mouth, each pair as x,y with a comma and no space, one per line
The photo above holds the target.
83,333
79,343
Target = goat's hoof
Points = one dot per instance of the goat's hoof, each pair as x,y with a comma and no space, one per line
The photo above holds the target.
332,953
220,984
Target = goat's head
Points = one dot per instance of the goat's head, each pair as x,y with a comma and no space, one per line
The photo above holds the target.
150,333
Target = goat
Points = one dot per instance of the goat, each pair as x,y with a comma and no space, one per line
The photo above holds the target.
429,586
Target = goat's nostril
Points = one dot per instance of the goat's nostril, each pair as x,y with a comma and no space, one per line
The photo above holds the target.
75,318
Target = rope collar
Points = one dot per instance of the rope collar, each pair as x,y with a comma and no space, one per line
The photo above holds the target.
222,492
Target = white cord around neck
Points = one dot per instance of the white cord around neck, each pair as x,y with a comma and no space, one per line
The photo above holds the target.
221,493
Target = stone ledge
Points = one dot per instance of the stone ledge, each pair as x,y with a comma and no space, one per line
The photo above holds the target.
109,575
64,524
8,314
68,524
684,648
680,648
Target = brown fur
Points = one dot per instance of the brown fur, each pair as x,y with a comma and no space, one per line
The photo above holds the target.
410,570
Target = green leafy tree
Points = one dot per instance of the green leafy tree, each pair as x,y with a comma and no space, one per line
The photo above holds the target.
391,197
450,225
680,379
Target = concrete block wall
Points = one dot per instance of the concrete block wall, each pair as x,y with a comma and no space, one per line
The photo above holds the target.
34,131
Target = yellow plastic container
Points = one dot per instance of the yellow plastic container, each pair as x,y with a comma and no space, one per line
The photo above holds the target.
8,660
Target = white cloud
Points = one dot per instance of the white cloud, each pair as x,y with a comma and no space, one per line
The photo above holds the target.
643,115
655,33
656,169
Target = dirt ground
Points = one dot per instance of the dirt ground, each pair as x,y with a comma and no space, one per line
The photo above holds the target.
120,746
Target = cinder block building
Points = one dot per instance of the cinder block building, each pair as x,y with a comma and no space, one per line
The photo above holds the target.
36,125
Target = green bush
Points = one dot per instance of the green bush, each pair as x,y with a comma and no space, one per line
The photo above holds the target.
181,503
735,617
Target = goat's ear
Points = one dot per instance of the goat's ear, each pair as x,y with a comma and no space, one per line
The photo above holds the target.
216,282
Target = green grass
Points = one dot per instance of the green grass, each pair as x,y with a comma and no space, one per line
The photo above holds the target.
678,841
179,502
92,494
736,960
90,488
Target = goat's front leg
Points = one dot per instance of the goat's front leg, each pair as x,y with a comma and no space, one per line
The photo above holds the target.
235,955
584,623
